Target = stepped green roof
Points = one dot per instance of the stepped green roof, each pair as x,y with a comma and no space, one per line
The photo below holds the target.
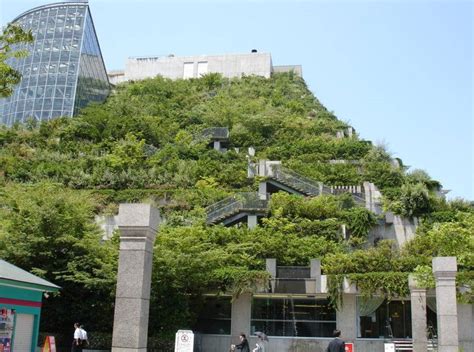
10,272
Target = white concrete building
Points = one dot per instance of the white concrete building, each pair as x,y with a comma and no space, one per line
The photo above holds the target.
183,67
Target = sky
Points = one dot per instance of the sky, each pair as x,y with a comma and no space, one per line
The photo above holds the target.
399,71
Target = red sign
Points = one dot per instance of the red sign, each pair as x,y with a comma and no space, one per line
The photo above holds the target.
349,347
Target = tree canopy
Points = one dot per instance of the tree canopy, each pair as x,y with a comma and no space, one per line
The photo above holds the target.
11,39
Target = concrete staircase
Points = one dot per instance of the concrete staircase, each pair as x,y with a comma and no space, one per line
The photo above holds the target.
297,182
239,203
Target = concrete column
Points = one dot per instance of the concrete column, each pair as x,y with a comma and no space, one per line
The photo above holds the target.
271,268
346,317
315,273
444,270
138,224
252,221
262,190
466,327
217,145
418,315
241,314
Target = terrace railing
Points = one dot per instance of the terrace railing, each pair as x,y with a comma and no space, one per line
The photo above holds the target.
239,202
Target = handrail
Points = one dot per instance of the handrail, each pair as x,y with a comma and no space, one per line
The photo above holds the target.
294,179
238,202
216,133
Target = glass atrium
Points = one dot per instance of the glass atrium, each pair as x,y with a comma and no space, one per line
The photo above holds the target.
64,70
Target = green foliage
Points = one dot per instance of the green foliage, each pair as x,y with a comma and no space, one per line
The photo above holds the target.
10,38
142,145
49,230
412,200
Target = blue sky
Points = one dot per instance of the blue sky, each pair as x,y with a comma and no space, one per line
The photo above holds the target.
401,72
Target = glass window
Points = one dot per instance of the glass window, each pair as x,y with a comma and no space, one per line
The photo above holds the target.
215,316
384,319
305,317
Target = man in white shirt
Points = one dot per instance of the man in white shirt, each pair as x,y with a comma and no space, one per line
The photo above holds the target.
76,343
84,339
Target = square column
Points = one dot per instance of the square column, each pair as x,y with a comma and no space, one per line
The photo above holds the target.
418,315
138,224
315,273
444,270
241,314
346,317
252,221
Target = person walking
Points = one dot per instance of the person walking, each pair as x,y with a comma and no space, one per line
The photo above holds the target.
76,342
260,346
243,345
84,338
336,345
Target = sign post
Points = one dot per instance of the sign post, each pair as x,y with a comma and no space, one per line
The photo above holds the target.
184,341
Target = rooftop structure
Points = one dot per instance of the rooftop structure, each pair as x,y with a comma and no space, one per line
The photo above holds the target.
64,70
184,67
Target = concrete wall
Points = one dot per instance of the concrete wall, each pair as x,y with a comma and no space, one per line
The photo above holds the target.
297,69
394,227
231,65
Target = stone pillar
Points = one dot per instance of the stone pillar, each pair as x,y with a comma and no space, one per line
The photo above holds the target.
252,221
241,314
346,317
444,270
262,190
418,315
138,224
315,273
271,267
466,327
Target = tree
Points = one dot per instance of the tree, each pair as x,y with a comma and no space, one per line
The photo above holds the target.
50,231
9,38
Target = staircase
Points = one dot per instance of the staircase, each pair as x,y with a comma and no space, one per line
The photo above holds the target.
299,183
247,202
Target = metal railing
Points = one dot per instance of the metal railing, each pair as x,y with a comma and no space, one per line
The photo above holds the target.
215,133
297,181
247,201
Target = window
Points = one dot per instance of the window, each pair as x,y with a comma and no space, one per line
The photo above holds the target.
202,68
379,318
215,316
188,70
306,317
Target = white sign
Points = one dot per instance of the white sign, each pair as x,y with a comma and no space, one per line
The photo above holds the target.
389,347
184,341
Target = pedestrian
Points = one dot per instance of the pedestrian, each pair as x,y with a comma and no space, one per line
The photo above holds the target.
260,346
336,345
84,339
243,345
76,342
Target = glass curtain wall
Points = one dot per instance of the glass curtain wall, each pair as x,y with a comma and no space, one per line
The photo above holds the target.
291,316
384,319
50,71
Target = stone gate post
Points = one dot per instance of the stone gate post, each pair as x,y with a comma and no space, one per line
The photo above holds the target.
444,270
138,225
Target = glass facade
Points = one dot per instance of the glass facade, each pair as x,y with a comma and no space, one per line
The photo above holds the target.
215,316
64,70
384,319
303,317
